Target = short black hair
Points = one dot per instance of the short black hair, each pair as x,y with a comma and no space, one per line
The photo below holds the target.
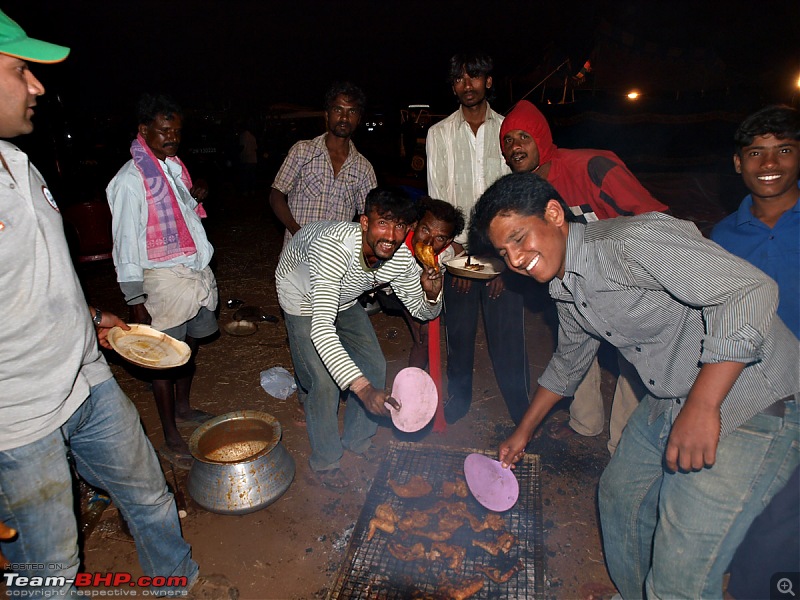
777,119
350,91
391,203
473,64
526,194
150,106
443,211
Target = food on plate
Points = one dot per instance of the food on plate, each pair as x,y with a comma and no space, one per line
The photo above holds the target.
503,543
426,255
416,487
460,589
455,488
471,267
498,576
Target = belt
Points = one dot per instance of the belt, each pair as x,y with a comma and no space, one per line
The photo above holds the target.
777,409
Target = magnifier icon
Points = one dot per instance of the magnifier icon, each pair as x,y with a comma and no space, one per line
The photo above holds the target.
784,586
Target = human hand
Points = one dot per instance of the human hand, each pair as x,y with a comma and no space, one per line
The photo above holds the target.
431,280
461,284
694,438
513,449
496,287
375,400
6,534
139,314
199,190
107,321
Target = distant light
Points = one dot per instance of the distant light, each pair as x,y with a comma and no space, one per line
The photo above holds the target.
798,81
633,95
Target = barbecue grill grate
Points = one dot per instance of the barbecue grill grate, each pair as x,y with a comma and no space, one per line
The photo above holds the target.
370,572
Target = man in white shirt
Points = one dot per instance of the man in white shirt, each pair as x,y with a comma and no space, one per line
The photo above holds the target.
463,160
162,254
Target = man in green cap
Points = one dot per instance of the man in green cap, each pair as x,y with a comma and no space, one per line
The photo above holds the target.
57,394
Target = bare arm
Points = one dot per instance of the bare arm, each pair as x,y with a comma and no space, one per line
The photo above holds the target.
694,437
512,449
280,206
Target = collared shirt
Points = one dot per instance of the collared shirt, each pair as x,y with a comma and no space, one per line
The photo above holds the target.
670,300
313,193
774,250
461,164
321,272
49,357
128,201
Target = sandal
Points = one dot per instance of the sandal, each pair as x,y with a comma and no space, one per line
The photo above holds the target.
333,478
178,459
559,430
299,415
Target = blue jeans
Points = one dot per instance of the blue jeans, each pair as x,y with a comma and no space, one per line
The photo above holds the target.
112,453
504,324
321,404
672,535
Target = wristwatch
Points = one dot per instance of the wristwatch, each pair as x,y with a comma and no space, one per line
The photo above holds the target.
98,316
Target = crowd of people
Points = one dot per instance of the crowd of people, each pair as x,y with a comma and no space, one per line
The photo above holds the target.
704,426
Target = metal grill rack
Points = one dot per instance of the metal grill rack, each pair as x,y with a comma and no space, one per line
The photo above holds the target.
370,572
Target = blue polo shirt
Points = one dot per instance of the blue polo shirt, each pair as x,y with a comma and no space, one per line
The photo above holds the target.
775,251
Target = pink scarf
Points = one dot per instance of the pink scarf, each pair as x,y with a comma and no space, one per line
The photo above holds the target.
167,235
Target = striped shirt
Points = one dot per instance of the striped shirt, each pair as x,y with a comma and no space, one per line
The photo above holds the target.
670,300
322,271
313,193
461,164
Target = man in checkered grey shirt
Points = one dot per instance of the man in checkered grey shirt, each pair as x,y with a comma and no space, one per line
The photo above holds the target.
718,432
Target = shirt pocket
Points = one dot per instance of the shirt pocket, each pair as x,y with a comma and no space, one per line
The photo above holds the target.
311,185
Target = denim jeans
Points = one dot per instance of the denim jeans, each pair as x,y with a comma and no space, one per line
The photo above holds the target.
112,453
504,324
321,404
672,535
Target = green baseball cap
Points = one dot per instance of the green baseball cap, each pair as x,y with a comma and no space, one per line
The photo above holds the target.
15,42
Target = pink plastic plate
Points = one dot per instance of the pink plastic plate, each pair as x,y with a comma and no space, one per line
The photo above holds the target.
493,486
416,392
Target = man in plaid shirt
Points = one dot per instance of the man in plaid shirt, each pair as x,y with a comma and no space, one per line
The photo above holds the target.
325,178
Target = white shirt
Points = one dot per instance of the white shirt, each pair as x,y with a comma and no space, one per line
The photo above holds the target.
462,164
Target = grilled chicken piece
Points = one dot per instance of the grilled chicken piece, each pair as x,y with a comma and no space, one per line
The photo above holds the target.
385,520
460,590
503,544
436,536
495,574
407,553
414,519
455,488
455,554
425,254
416,487
491,521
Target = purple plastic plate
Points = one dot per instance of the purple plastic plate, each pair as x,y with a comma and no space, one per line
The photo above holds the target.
416,392
493,486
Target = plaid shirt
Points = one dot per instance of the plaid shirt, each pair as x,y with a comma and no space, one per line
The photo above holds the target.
314,194
669,300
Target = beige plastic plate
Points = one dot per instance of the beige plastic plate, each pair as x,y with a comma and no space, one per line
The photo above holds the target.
240,328
492,267
148,347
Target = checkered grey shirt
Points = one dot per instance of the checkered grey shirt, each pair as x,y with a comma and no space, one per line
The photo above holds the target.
670,300
314,194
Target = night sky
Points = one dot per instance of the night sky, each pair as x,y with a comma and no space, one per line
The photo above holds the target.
251,53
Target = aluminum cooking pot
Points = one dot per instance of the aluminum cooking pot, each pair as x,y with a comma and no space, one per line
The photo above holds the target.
240,464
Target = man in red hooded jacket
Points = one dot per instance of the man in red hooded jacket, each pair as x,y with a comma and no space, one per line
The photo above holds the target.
595,184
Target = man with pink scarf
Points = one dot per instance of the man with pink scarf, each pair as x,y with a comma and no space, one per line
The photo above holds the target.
595,184
161,254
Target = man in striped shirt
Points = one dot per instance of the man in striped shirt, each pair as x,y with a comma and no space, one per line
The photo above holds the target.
321,273
718,430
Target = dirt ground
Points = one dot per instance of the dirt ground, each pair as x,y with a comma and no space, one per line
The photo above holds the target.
293,548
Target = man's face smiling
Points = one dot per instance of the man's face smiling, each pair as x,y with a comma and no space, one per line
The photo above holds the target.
163,135
532,246
770,167
381,236
520,151
342,117
471,91
18,91
433,232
